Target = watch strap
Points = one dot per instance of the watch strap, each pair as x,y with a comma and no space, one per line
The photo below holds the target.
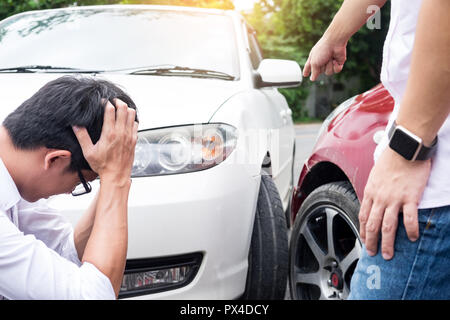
424,153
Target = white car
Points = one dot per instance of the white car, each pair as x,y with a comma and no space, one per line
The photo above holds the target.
213,171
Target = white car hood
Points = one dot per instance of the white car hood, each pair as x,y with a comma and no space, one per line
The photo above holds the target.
161,100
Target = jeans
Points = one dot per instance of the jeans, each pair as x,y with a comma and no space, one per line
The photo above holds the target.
418,270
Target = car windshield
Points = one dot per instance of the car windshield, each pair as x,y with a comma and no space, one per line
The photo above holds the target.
111,39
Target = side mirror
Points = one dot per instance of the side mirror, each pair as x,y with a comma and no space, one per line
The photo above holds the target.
278,73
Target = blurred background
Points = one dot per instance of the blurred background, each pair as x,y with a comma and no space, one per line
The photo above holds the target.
287,29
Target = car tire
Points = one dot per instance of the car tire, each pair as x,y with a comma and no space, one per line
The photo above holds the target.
320,268
268,256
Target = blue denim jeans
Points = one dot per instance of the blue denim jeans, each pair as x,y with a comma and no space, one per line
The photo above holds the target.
418,270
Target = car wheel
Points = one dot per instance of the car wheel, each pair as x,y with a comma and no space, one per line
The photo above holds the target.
268,255
325,244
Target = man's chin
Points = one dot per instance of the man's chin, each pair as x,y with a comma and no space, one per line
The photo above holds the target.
35,198
32,199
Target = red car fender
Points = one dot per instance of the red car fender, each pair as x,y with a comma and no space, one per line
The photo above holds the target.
346,148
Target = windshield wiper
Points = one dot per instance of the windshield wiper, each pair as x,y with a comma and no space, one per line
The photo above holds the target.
36,68
178,70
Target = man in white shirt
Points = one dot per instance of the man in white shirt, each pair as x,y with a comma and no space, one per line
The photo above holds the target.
407,197
72,130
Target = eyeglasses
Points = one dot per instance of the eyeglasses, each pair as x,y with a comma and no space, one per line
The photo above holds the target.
82,188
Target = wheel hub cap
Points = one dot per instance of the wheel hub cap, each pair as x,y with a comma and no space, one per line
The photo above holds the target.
336,279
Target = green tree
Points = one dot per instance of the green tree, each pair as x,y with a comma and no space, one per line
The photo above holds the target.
10,7
288,29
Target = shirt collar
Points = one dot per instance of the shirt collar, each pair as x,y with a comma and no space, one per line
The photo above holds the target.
9,195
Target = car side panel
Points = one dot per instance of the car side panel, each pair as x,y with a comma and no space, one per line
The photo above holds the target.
284,141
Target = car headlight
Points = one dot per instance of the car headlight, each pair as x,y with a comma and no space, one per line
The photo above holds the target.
182,149
341,108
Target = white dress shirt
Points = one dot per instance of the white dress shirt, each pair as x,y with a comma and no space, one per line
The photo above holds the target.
38,259
397,56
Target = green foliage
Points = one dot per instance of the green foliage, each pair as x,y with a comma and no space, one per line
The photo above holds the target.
288,29
10,7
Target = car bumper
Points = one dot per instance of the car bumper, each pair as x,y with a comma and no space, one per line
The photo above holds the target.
210,211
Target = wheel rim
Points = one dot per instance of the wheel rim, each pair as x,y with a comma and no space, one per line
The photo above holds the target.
325,256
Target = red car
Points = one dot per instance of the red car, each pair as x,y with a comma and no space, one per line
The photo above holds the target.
325,244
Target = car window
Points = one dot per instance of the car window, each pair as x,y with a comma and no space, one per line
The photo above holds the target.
119,38
255,49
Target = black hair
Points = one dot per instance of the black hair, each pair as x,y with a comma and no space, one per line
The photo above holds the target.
46,119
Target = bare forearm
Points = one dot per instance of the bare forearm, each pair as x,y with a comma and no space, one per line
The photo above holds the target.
107,244
352,15
84,226
426,103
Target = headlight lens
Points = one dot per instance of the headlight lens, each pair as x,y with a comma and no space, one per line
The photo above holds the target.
182,149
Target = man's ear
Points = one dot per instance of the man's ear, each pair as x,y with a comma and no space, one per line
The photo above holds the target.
58,157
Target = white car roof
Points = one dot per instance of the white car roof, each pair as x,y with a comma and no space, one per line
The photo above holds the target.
141,6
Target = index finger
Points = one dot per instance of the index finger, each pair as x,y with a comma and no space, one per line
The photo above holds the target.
364,216
307,68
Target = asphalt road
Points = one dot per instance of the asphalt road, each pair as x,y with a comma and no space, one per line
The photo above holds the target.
305,138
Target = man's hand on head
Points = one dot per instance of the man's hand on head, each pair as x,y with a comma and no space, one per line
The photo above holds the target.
113,154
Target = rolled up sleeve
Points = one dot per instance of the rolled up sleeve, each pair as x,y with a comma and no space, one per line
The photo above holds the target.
31,270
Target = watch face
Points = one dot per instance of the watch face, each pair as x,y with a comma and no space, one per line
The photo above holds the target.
404,144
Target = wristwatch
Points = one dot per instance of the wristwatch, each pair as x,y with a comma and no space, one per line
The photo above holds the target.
408,145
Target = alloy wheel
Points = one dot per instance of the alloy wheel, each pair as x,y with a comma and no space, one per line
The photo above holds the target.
327,251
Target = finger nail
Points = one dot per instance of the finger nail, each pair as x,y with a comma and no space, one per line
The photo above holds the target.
75,128
370,253
387,256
